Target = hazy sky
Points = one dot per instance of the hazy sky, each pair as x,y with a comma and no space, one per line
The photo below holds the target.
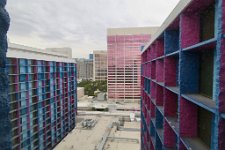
80,24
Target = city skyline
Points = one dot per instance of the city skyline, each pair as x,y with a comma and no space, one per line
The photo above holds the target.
37,24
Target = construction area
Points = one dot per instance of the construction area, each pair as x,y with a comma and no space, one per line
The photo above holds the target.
103,131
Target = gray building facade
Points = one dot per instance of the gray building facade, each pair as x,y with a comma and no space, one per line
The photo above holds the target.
84,69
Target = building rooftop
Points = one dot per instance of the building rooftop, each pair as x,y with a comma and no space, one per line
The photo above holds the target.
125,139
99,51
91,138
26,52
131,30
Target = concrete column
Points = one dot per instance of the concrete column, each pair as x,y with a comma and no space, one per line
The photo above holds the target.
5,125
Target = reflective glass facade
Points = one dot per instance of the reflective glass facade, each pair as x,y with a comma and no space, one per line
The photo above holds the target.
124,59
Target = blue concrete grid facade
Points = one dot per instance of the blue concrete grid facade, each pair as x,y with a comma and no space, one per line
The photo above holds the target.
42,99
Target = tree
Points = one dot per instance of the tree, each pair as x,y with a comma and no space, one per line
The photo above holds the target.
91,86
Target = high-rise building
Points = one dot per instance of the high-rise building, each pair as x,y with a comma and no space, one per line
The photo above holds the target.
42,97
100,65
183,80
124,60
84,69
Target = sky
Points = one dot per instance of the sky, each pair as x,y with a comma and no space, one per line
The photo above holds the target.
80,24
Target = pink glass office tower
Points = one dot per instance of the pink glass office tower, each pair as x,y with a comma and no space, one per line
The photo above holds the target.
124,59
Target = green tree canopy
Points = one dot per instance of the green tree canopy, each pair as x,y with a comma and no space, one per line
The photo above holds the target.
91,86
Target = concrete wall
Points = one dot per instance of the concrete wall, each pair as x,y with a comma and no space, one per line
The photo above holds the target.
80,92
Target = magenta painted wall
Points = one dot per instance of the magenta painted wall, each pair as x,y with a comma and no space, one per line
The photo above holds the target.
170,71
221,134
222,79
170,103
159,95
189,112
190,33
159,70
169,136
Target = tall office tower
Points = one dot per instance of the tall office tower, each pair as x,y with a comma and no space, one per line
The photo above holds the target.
183,80
100,65
124,61
84,69
42,97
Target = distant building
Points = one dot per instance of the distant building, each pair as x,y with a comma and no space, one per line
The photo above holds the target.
124,61
100,65
84,69
90,56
